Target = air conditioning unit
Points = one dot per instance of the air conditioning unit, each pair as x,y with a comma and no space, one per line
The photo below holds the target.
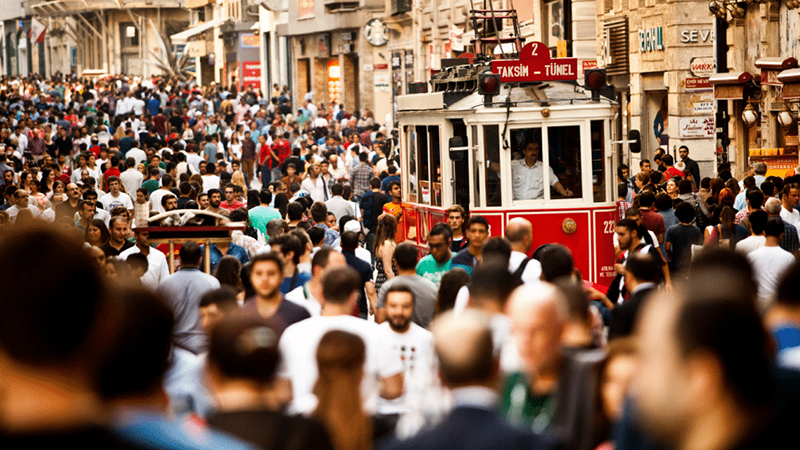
400,6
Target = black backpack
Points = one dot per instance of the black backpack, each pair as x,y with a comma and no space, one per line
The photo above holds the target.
367,202
701,220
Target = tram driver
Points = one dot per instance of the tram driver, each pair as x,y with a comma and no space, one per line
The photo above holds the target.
527,175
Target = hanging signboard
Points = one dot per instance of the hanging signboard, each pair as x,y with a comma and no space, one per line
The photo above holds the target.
697,127
535,64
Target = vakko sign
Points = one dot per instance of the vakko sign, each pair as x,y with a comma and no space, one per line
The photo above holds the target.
535,64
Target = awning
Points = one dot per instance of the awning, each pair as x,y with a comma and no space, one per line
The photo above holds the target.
183,36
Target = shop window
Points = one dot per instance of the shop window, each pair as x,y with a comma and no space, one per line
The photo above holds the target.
598,162
491,156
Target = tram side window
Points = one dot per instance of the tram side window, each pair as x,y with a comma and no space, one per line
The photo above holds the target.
412,165
436,166
565,161
491,147
424,165
598,162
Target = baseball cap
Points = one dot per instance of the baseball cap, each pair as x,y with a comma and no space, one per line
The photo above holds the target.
353,225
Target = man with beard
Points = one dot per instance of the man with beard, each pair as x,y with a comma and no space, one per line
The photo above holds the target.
214,199
412,343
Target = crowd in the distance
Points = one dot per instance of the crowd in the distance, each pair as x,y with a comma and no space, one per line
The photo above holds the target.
320,327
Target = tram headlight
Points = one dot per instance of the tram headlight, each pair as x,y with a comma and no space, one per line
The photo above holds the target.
595,80
489,84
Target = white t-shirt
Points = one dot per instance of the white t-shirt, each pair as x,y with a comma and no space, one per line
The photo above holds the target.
110,202
137,154
793,217
210,182
769,264
155,199
750,243
416,353
303,297
298,346
532,272
157,267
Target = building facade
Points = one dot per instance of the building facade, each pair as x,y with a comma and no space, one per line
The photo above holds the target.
659,55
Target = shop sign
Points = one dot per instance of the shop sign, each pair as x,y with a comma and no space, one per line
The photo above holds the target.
703,107
535,64
696,127
251,74
697,36
381,67
383,82
195,49
651,39
728,92
324,46
375,32
698,84
250,41
702,66
334,87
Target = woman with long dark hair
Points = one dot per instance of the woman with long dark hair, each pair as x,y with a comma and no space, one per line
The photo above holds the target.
383,250
96,234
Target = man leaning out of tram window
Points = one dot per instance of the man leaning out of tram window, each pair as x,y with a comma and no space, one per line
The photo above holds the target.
528,175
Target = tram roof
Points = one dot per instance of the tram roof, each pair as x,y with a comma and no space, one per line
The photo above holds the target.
553,93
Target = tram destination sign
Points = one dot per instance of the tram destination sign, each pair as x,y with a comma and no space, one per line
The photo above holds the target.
535,64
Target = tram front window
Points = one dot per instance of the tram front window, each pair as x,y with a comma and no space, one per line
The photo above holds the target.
565,161
527,169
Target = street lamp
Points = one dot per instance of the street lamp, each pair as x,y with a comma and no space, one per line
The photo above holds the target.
785,117
749,115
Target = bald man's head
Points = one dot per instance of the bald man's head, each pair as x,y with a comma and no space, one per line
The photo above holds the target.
538,317
519,232
465,351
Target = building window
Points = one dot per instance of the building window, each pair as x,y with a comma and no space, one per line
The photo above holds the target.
129,35
615,46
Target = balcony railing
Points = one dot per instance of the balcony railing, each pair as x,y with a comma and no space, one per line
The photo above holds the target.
60,8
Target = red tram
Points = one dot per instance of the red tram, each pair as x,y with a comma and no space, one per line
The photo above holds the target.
458,146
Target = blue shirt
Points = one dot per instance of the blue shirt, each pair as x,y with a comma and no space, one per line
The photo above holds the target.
385,184
233,250
153,105
152,430
302,278
331,237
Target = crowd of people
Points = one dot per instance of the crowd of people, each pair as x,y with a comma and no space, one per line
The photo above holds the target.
319,327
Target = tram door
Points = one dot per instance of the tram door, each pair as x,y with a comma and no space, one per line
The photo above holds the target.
460,170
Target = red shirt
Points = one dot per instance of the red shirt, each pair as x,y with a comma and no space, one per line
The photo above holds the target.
112,172
236,205
673,172
264,154
653,221
283,149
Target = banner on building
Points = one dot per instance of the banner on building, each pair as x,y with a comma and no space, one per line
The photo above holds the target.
456,38
38,31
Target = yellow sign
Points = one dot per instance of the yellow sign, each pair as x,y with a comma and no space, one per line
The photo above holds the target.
561,49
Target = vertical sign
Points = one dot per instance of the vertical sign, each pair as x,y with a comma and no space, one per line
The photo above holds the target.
251,74
334,82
